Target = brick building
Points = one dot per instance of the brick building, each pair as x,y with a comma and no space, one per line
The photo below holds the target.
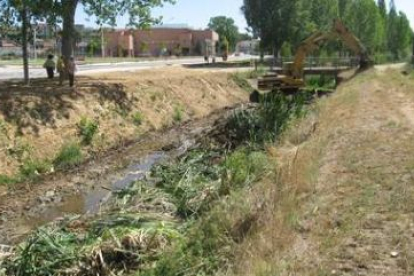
9,48
158,41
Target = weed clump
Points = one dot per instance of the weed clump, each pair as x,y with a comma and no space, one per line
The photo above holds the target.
137,118
69,156
8,180
33,168
178,114
106,245
320,83
241,78
243,167
87,130
241,81
267,120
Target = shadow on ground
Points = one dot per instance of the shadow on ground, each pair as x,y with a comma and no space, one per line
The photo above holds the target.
219,65
43,102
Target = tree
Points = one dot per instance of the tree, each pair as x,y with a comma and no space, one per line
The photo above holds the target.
22,11
342,7
383,8
94,46
392,32
404,35
226,28
273,20
412,57
363,18
322,13
314,15
244,36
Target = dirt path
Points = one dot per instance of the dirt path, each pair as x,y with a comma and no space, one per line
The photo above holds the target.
350,204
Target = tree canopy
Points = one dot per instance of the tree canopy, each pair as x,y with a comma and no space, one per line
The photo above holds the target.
106,12
385,33
274,21
22,11
226,28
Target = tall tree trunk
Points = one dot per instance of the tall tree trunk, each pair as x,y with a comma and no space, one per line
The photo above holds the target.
69,10
102,42
412,57
25,23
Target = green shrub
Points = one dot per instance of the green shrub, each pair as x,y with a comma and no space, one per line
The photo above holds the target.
69,155
137,118
241,80
32,168
187,179
7,180
208,242
87,130
267,120
243,167
178,114
320,83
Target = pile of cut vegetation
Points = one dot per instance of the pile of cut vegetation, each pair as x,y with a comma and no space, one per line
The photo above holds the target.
185,218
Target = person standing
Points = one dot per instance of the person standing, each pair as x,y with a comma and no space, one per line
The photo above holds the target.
71,71
50,66
60,67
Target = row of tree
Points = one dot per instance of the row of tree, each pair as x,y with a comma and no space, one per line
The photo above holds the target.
283,24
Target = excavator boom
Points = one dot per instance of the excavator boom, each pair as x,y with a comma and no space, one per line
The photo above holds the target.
339,31
293,77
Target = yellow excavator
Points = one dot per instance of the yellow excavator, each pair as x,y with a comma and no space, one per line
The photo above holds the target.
293,77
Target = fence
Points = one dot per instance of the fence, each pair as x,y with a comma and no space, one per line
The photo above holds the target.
317,62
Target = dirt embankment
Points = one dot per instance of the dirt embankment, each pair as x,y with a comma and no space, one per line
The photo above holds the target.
36,121
342,202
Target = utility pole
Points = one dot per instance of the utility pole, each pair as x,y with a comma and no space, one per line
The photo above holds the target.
102,42
102,32
35,41
25,22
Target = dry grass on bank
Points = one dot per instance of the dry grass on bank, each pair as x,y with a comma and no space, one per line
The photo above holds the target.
342,198
37,121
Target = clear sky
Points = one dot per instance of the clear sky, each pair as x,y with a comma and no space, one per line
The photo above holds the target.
196,13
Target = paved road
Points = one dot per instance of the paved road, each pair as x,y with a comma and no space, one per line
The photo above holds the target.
15,72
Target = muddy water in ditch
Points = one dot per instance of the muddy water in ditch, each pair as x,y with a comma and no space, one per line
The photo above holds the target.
91,201
93,183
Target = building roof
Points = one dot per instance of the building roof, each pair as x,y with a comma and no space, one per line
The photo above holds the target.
172,26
